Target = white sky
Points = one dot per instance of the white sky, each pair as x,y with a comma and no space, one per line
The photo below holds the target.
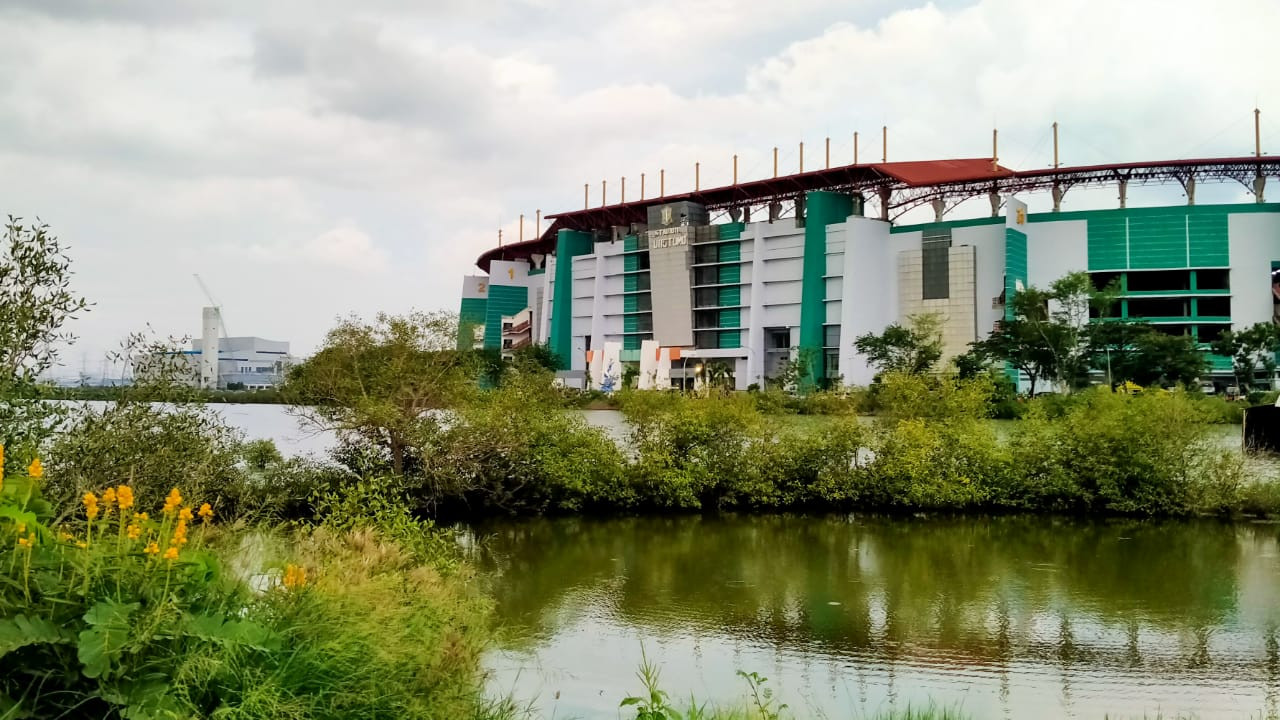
311,158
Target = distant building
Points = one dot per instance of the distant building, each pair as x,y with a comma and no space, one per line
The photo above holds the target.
249,363
752,275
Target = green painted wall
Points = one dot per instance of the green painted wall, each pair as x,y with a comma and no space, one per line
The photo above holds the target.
730,339
729,231
470,314
568,244
1157,238
729,274
730,318
823,209
730,252
729,296
503,300
1015,266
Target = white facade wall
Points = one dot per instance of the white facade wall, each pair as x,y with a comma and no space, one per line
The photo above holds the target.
1254,240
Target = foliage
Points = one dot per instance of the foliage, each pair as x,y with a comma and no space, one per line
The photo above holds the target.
1147,455
1250,349
147,445
131,615
381,381
513,449
1137,352
36,302
1047,335
914,348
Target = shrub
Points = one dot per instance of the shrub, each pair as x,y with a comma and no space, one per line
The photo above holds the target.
691,452
1146,455
121,615
147,445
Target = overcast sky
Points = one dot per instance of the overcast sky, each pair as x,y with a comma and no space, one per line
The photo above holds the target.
312,158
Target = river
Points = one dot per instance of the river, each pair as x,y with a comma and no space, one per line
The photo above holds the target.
1005,617
1001,617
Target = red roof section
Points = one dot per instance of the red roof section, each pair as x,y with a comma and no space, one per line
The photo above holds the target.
909,183
939,172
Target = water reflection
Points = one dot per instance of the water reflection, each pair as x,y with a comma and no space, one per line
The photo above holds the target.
999,614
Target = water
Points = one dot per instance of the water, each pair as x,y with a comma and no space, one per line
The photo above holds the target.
1003,617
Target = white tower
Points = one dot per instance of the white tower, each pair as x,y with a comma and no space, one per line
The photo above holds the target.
212,323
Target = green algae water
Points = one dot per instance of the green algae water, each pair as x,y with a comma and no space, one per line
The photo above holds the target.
849,616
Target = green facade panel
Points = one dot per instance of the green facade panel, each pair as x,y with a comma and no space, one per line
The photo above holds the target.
1015,266
729,274
470,315
568,244
1156,238
730,252
730,296
731,318
504,300
730,339
730,231
630,243
823,209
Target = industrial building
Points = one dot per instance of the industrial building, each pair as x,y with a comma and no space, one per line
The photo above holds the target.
746,275
244,363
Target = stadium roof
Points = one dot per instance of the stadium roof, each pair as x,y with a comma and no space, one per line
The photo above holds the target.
899,186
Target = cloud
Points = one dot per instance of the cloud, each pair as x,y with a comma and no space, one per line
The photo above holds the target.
348,248
285,149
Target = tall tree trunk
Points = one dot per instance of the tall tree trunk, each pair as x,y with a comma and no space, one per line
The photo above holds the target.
397,456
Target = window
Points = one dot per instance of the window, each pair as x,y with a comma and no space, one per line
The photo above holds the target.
831,364
706,276
1157,280
705,319
779,339
831,336
707,297
1213,279
1209,333
706,254
1213,307
1159,307
1103,280
936,264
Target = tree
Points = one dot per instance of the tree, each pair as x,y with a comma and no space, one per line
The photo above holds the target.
36,302
380,381
1162,360
1025,345
1048,335
1116,351
1249,349
913,348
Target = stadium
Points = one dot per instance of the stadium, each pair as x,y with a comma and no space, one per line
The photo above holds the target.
746,275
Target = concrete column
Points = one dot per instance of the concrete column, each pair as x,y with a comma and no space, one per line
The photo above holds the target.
755,326
869,292
211,330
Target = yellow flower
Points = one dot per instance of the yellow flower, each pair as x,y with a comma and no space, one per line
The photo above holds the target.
172,502
206,512
109,499
151,549
124,494
171,553
1,467
65,536
22,527
140,516
35,470
91,505
185,514
180,533
133,531
82,544
295,577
